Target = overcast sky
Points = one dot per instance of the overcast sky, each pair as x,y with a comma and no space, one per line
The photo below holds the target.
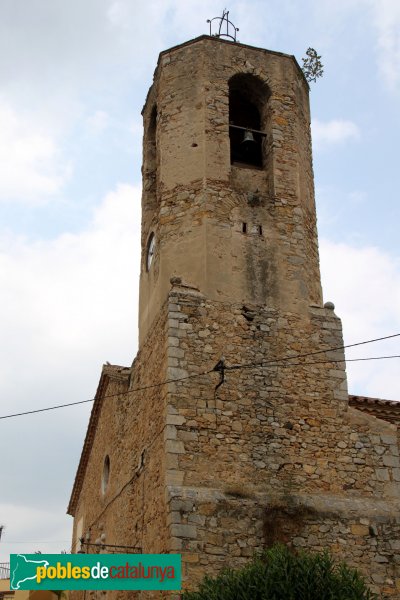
74,79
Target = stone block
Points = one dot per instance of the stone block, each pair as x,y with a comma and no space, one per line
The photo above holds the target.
174,419
176,374
214,550
359,530
175,447
184,531
389,439
190,558
174,352
181,505
188,436
396,474
171,461
177,333
391,461
173,341
382,474
379,558
170,432
309,469
174,477
174,517
176,544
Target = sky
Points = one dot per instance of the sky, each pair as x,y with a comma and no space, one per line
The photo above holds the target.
74,77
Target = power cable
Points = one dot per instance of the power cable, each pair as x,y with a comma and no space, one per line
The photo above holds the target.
38,410
320,362
139,389
102,545
121,490
285,358
226,368
47,542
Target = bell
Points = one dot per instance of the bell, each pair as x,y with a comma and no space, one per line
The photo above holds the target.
248,138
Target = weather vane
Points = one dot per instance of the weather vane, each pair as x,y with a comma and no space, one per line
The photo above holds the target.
224,23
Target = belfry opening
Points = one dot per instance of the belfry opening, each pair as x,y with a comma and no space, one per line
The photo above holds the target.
247,109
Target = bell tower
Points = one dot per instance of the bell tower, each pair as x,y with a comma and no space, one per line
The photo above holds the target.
260,440
232,430
228,199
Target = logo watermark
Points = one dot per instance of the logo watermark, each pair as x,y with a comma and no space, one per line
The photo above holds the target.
95,572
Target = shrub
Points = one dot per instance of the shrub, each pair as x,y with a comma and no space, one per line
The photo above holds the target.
279,574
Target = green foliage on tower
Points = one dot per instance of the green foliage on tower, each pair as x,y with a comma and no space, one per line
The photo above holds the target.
312,65
280,574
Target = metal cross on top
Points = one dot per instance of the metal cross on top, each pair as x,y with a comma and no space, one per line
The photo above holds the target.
224,23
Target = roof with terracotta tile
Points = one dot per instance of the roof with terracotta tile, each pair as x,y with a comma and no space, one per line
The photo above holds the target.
389,410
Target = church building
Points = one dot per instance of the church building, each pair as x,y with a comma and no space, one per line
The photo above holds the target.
233,428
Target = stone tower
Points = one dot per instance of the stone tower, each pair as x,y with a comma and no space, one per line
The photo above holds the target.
235,219
216,458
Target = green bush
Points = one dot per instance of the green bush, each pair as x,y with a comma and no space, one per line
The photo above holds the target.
279,574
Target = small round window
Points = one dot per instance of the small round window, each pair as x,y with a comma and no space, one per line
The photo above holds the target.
151,244
106,474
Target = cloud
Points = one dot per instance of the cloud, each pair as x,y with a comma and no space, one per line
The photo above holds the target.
378,20
72,294
98,121
30,160
68,305
357,197
32,530
387,25
364,284
332,132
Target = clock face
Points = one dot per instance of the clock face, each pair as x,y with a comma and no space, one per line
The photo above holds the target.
150,250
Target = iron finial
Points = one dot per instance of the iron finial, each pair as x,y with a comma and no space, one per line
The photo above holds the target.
224,28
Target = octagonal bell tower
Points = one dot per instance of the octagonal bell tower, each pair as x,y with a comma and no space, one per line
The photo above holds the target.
228,199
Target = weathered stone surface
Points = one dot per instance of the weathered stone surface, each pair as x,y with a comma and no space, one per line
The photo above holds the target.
218,467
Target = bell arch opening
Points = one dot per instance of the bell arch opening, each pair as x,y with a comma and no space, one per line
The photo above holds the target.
248,97
150,153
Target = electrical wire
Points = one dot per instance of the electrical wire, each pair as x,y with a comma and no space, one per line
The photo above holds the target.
38,410
320,362
227,368
102,545
46,542
285,358
139,389
121,490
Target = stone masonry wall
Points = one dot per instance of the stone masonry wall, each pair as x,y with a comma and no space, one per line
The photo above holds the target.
130,430
274,453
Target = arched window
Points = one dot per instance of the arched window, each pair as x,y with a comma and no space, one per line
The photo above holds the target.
151,246
106,474
247,100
